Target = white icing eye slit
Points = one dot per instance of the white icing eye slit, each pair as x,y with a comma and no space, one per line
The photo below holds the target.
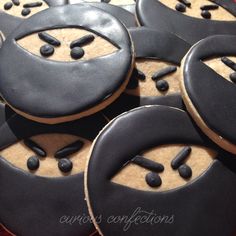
183,5
153,178
232,65
26,8
158,77
76,46
65,165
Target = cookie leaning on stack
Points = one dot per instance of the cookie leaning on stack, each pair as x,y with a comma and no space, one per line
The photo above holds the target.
41,175
68,79
158,175
208,88
155,78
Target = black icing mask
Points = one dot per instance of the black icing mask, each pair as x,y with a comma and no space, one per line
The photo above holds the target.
212,95
157,45
47,202
156,15
142,130
60,86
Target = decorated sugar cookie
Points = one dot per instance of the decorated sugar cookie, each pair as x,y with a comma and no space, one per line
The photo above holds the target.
62,66
13,12
160,175
155,79
41,176
208,88
190,20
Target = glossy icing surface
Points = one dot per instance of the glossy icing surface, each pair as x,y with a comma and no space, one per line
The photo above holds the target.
140,130
153,50
156,15
211,94
52,205
59,86
10,19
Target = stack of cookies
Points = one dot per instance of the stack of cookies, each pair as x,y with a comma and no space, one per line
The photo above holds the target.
117,118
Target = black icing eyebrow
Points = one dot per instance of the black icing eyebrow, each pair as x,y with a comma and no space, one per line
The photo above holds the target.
69,149
82,41
209,7
148,164
35,147
181,157
49,39
164,72
139,74
229,63
33,4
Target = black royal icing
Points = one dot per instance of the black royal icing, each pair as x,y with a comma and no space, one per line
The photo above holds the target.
125,16
56,103
156,15
210,93
1,39
45,200
143,129
8,22
128,7
151,44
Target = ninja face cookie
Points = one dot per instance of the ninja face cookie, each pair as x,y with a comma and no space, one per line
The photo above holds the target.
13,12
161,174
208,88
156,76
62,66
193,20
41,176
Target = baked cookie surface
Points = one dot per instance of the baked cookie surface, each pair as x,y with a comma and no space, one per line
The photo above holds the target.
208,88
13,12
42,174
160,176
155,79
191,24
72,71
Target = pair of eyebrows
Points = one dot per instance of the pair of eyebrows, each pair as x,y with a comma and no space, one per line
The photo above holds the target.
150,165
80,42
159,74
61,153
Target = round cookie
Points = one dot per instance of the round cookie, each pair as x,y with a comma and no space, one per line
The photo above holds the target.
208,88
36,180
189,24
13,12
160,177
157,59
60,87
